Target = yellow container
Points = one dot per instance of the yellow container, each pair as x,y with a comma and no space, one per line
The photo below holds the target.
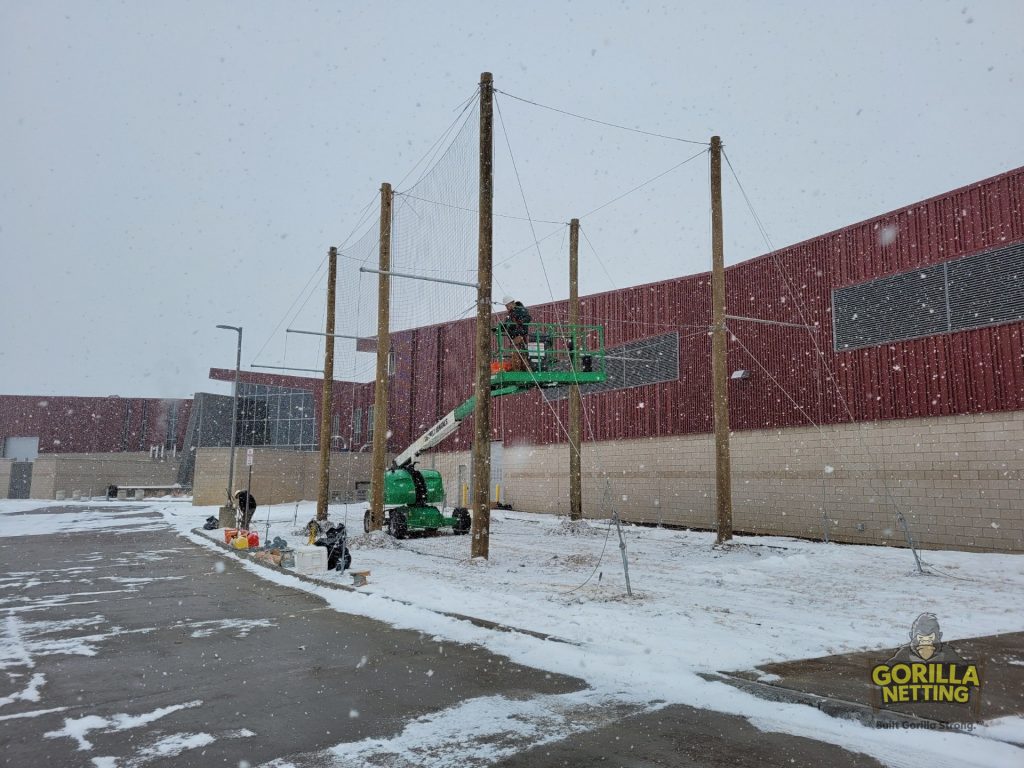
240,542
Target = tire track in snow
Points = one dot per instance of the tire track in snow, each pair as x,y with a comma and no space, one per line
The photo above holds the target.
477,732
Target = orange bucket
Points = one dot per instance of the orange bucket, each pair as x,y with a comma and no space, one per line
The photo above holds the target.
229,534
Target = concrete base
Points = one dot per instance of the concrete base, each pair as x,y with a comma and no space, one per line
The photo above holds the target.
227,517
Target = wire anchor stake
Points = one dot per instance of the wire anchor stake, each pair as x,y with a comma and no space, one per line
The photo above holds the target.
622,548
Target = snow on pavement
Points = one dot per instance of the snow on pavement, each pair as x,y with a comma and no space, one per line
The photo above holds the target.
768,599
695,609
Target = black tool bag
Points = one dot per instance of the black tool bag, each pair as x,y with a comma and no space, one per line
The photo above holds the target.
335,539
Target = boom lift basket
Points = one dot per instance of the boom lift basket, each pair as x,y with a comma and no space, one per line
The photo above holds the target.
559,355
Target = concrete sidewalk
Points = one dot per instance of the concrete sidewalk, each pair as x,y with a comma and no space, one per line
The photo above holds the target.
841,685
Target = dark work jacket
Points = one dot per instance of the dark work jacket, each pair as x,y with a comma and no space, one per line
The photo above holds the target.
245,501
517,321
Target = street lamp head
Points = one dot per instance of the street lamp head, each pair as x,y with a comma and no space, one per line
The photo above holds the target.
230,328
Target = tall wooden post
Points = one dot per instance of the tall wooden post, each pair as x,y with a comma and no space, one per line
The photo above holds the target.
575,404
719,374
380,389
325,400
482,407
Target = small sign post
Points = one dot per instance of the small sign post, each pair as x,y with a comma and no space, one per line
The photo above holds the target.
249,453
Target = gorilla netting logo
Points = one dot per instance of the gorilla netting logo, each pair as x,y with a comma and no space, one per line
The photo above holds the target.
927,670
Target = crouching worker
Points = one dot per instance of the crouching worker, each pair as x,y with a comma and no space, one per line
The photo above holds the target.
516,328
245,503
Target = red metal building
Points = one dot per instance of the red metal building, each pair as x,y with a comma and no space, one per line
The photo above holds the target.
94,424
962,251
795,376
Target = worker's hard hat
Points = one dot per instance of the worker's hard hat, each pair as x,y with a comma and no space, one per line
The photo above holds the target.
508,300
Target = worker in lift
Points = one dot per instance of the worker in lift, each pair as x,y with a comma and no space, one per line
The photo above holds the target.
516,328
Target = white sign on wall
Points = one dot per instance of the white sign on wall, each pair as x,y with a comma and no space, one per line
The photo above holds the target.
248,456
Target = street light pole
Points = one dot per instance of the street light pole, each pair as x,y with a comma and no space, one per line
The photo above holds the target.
234,410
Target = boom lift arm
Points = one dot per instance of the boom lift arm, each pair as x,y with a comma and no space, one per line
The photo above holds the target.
558,356
443,428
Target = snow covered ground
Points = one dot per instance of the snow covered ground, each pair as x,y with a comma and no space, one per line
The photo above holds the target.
766,599
694,609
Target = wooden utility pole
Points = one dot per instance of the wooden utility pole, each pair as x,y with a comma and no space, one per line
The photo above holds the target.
482,406
325,401
575,404
719,375
380,389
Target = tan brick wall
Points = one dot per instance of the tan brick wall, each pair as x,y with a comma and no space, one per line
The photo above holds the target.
91,473
278,476
959,480
347,471
44,478
5,477
448,465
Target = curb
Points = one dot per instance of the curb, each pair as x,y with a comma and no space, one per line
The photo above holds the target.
839,708
474,620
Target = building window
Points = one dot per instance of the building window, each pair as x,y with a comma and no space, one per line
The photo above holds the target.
635,364
357,425
171,433
337,439
369,423
970,292
276,416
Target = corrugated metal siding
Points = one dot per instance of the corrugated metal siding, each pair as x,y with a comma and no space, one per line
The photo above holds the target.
964,372
89,424
970,371
424,391
400,389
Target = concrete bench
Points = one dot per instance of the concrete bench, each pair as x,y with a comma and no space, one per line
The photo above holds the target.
139,492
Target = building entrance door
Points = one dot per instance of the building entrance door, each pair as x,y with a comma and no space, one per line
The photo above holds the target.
21,480
497,490
496,477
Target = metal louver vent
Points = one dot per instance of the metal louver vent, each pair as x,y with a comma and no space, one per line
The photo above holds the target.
648,361
987,289
902,306
970,292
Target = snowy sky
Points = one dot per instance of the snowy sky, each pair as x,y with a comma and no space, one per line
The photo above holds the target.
170,166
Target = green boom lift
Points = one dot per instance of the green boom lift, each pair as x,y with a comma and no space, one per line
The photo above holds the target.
559,355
